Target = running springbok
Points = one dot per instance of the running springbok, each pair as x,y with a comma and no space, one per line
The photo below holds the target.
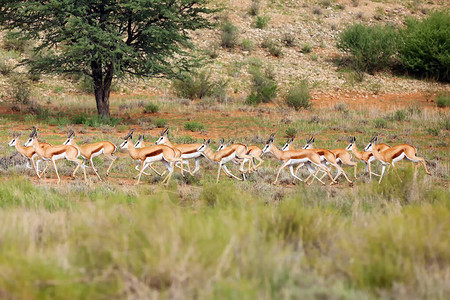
390,156
295,157
54,153
335,157
226,155
188,151
147,155
27,152
365,157
253,150
89,151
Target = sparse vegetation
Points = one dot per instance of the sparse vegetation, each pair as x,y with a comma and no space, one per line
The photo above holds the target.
254,8
20,89
442,100
307,48
194,126
151,108
380,123
289,40
194,86
272,46
229,35
298,96
264,87
261,22
247,45
160,123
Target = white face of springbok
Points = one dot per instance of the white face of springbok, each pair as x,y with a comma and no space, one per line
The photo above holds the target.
352,141
140,142
126,140
223,145
268,144
369,146
287,145
69,139
163,137
31,138
13,142
309,142
205,144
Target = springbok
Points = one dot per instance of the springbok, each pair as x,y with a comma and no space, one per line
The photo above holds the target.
147,155
295,157
390,156
253,150
89,151
226,155
365,157
53,153
27,152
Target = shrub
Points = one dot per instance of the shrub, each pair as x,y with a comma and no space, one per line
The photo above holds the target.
442,100
194,126
14,41
298,96
307,48
229,35
291,132
151,108
247,45
371,47
254,8
425,48
380,123
95,121
20,89
273,48
194,86
289,39
400,115
261,22
160,123
264,87
7,64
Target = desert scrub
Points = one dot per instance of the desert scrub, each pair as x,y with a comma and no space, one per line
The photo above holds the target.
229,35
298,96
307,48
151,108
254,8
442,100
425,46
247,45
370,47
159,123
261,22
272,46
20,89
264,88
194,126
194,85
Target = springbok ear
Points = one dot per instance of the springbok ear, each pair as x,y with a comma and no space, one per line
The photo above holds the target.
313,140
166,132
292,139
354,139
143,136
287,141
208,141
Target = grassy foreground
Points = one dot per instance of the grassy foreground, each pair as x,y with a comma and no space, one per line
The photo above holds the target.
366,242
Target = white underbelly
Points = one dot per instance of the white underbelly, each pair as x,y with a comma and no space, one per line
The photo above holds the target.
191,155
97,153
229,158
158,157
297,161
399,158
59,156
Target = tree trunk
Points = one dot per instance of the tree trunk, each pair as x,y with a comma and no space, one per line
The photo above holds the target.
102,87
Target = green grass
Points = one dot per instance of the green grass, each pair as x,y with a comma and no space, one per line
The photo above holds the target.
224,242
194,126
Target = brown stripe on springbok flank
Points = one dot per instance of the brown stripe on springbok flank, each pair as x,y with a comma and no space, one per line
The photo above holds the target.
96,149
190,151
154,153
229,153
58,151
397,153
299,156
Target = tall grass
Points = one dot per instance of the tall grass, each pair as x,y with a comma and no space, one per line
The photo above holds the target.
224,243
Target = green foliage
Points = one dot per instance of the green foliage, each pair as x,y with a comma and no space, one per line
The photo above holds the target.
425,48
247,45
371,47
261,22
229,35
151,108
160,123
7,64
380,123
442,100
194,126
264,88
298,96
108,41
20,89
291,132
400,115
307,48
95,121
194,86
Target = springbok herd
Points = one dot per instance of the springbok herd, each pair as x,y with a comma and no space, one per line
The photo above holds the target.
172,155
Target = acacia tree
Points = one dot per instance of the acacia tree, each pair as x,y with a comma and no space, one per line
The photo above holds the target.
104,39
